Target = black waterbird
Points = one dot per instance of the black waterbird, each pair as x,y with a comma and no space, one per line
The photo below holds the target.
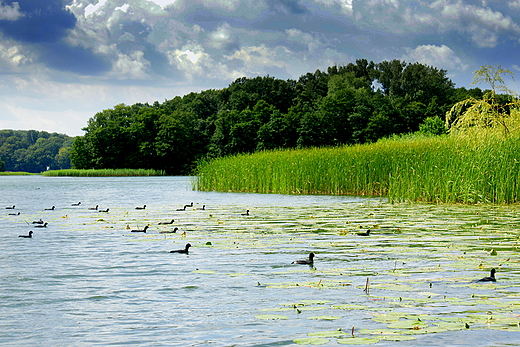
490,278
140,230
184,251
309,261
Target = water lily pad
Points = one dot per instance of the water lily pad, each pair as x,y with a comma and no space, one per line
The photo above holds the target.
380,331
237,274
358,341
311,341
324,317
349,307
314,302
204,272
271,317
397,338
331,333
408,324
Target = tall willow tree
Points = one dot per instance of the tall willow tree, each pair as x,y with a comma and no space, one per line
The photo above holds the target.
493,111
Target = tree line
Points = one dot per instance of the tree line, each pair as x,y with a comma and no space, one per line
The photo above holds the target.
356,103
34,151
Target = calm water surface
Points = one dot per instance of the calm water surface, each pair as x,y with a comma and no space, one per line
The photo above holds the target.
86,280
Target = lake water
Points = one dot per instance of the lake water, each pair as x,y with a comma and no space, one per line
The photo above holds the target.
87,280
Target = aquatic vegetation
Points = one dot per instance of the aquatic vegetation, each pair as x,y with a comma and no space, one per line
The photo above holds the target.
451,169
103,172
415,275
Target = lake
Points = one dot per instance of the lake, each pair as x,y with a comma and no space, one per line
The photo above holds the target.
87,280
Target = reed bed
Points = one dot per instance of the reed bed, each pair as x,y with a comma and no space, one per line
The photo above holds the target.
16,173
103,173
450,169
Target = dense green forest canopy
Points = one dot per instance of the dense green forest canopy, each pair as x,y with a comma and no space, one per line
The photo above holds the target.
357,103
34,151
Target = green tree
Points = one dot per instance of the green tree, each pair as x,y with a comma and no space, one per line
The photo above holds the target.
492,111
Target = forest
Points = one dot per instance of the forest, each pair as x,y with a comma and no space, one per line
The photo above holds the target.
357,103
34,151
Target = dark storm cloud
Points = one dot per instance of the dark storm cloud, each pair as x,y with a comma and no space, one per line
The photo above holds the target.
79,60
287,6
44,24
41,21
137,41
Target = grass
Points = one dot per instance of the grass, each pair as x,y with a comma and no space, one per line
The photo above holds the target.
452,169
103,173
14,173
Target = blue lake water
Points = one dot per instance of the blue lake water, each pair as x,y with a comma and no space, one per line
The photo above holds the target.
86,280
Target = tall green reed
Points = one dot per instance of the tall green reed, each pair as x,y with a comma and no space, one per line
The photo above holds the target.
103,172
452,169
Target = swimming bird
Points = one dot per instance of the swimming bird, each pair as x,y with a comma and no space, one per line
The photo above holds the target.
490,278
169,231
27,236
184,251
79,203
140,230
14,214
140,208
44,225
164,223
310,261
94,208
366,233
50,209
202,208
38,221
105,210
10,207
246,214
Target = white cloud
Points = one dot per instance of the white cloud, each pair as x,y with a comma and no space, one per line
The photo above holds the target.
222,36
123,8
91,9
10,12
438,56
514,4
345,5
132,66
482,23
479,23
13,55
193,61
256,58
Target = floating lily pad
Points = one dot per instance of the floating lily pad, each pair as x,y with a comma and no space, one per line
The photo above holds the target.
311,341
237,274
204,272
331,333
408,324
324,317
397,338
349,307
358,341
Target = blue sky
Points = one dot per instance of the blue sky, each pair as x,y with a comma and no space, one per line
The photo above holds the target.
61,61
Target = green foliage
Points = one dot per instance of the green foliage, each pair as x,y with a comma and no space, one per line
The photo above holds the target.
489,111
356,103
449,169
33,151
432,126
103,173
